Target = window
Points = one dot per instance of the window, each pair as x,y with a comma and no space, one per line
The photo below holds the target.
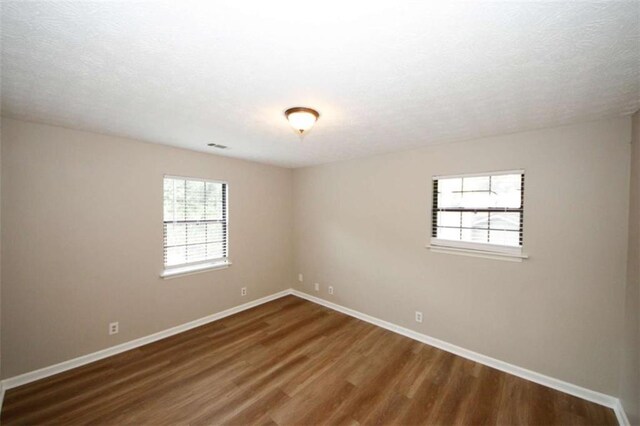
479,212
195,225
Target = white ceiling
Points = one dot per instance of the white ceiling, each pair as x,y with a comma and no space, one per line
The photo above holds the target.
385,75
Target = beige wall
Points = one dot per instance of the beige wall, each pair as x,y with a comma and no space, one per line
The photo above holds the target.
362,226
82,241
630,366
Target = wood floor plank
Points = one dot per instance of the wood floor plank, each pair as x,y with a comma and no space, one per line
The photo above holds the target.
292,362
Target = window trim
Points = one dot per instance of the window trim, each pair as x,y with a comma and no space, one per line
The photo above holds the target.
476,249
195,268
202,265
479,174
478,253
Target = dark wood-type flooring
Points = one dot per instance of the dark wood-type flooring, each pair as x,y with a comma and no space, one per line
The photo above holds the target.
292,362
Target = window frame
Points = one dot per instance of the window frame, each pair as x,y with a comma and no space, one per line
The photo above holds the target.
477,248
201,265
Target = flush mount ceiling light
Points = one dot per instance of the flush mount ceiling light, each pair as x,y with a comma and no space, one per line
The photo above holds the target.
302,119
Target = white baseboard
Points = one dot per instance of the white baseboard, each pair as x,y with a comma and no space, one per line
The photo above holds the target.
1,395
623,420
42,373
562,386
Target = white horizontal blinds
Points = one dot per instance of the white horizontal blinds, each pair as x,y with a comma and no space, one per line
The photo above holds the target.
479,209
195,221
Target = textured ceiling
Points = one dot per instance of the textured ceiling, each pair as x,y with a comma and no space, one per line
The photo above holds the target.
385,76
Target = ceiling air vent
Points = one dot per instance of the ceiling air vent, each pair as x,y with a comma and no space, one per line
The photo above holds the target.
215,145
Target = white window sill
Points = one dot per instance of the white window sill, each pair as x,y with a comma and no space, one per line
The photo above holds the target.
509,257
194,269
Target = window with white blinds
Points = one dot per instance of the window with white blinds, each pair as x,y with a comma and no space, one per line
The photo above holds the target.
483,212
195,221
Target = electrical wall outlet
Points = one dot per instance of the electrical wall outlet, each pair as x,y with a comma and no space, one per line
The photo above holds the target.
418,316
114,327
300,277
330,289
243,291
317,286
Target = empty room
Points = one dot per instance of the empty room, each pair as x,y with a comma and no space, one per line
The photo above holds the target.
320,213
